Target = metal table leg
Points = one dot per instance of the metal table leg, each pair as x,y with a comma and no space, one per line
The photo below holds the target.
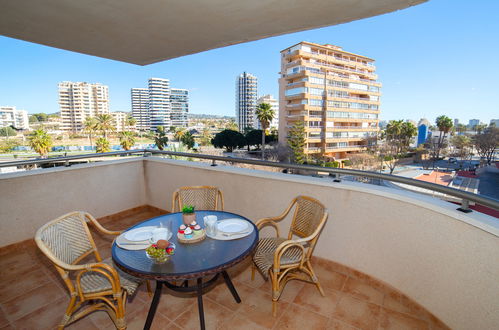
231,286
154,305
200,303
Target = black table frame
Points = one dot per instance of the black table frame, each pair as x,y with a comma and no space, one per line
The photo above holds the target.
185,288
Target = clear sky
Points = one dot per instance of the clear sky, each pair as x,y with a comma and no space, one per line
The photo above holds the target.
441,57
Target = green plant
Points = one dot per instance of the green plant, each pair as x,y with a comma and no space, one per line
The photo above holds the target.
188,209
265,114
41,142
334,164
347,162
102,145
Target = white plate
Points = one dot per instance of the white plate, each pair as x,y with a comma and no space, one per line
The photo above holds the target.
232,225
139,234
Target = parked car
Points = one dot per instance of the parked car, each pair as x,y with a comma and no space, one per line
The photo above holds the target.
452,160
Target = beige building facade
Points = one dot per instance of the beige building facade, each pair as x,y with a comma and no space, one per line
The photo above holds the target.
335,93
11,116
274,124
79,100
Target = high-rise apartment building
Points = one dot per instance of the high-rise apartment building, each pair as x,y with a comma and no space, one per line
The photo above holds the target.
179,100
10,116
159,105
269,99
335,93
473,122
79,100
140,108
246,94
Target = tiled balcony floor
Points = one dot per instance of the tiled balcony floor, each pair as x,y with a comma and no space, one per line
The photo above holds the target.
32,296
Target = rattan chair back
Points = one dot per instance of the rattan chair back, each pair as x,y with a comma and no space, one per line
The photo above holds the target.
201,197
67,239
308,215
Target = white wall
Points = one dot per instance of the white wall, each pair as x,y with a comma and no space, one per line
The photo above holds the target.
30,199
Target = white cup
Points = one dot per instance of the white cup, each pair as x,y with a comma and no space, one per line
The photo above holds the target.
159,233
209,218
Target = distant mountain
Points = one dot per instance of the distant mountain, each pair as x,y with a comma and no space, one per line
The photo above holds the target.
204,116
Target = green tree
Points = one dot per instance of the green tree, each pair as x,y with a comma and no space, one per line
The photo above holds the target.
179,132
188,140
444,125
253,138
89,126
462,143
130,121
397,137
206,137
231,125
264,114
127,140
8,145
102,145
487,142
7,131
228,139
160,138
104,124
41,142
296,141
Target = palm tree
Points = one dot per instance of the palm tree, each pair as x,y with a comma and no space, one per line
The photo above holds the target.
127,140
130,122
265,114
444,125
102,145
89,126
41,142
104,123
179,132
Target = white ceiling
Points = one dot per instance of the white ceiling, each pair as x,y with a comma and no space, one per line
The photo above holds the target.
149,31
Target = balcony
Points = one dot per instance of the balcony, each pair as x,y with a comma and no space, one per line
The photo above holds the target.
387,257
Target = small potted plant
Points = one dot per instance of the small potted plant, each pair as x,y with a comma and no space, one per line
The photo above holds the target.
188,215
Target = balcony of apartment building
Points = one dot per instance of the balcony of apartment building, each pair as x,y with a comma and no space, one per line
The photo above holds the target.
385,257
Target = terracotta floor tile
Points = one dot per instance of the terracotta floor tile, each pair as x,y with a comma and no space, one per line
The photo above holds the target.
356,312
172,304
328,278
299,318
221,294
363,291
7,327
3,319
335,324
101,319
45,317
85,323
33,300
245,278
257,307
398,321
395,303
311,299
21,284
137,319
215,316
290,290
13,267
237,322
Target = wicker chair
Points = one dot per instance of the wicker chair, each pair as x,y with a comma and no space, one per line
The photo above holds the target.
285,259
201,197
66,241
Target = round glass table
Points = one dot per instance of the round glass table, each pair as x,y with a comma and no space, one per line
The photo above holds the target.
197,261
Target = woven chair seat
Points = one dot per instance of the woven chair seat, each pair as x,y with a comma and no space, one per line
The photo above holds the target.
94,282
265,250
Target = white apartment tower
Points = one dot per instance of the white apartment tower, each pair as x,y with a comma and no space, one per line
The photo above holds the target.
140,108
246,94
179,100
275,106
159,105
79,100
10,116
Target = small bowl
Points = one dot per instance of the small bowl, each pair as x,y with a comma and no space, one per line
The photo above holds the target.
163,258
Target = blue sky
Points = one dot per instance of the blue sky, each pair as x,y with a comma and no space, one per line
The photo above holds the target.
440,57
